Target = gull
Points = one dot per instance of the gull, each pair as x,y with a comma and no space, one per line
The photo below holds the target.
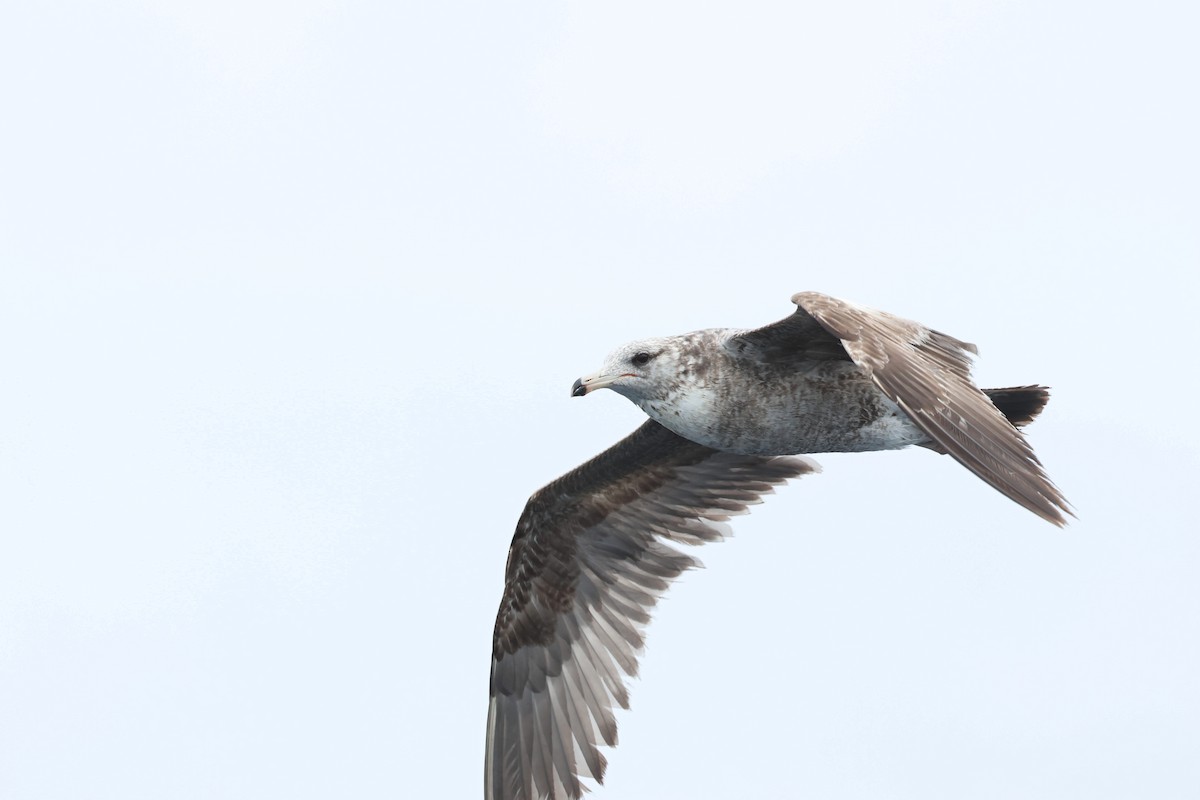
730,411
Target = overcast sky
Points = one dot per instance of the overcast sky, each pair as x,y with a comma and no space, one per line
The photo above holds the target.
292,295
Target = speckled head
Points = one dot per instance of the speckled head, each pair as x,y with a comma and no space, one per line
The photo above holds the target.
643,370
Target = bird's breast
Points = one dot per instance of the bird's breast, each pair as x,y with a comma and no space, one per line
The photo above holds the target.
762,415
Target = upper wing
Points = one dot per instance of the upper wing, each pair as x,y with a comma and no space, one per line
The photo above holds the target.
587,564
927,374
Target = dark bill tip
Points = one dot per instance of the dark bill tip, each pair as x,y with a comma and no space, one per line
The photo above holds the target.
578,389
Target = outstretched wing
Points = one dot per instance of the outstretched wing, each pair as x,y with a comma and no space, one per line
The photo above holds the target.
927,374
589,561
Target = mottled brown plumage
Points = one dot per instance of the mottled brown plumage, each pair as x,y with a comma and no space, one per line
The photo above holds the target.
927,374
588,562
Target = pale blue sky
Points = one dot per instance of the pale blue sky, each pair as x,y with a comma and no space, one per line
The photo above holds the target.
291,299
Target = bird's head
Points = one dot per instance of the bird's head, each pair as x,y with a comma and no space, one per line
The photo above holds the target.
638,370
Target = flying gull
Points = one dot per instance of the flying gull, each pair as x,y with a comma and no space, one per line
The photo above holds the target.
728,409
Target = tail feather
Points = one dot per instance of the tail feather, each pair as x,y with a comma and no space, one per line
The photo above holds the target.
1021,404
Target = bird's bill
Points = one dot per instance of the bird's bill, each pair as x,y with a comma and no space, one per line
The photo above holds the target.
590,383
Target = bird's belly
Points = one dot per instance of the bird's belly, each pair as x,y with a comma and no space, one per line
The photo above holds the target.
817,417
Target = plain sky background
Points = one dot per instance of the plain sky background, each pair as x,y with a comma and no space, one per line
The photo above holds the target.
292,295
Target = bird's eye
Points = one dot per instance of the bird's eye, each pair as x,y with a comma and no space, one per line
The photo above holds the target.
641,359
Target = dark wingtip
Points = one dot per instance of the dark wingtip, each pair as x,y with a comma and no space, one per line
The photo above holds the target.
578,389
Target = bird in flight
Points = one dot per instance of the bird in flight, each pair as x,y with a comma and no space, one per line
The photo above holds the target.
730,410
